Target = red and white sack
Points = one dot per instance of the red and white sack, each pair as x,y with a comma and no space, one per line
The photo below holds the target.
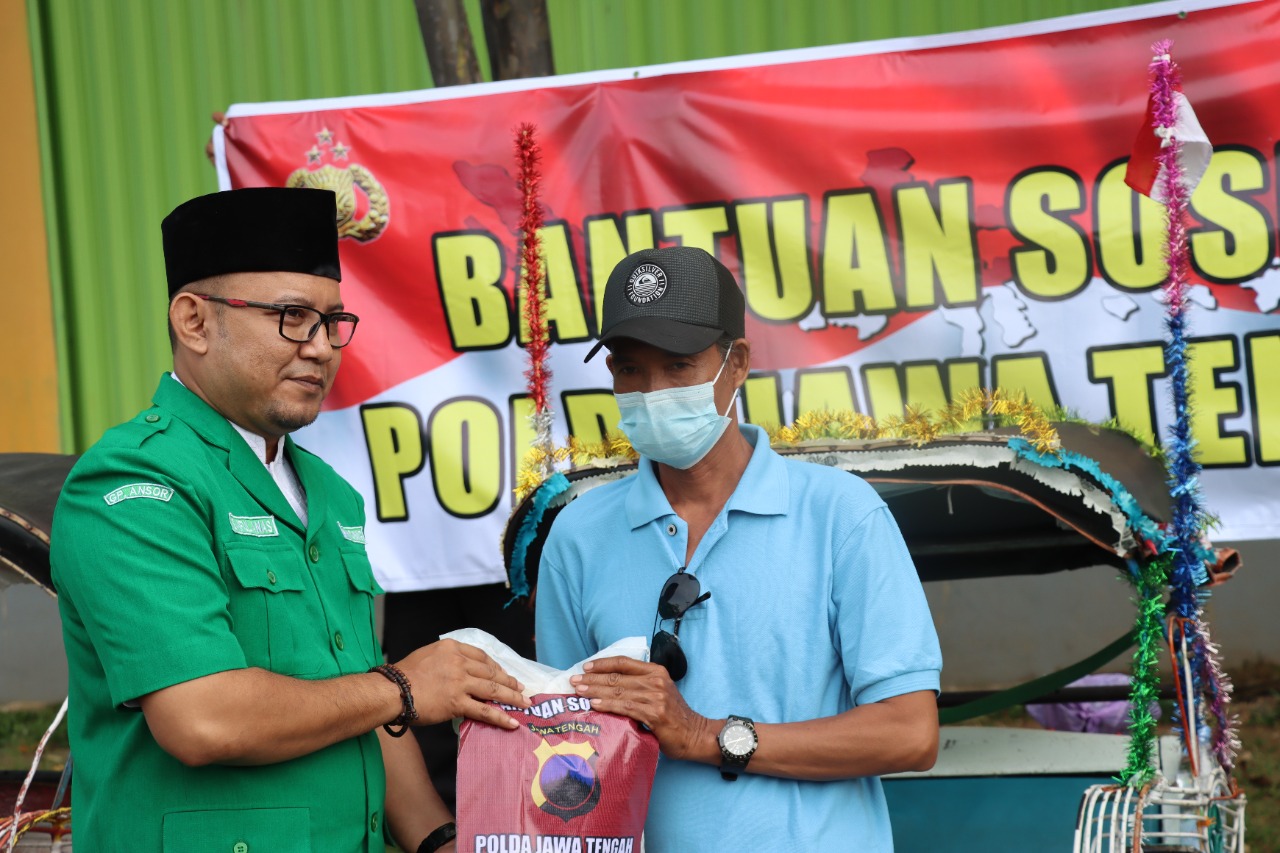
568,779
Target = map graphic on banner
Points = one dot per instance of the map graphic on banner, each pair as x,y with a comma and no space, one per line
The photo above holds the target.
908,219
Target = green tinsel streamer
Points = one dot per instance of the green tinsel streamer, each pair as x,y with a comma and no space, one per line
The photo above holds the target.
1145,689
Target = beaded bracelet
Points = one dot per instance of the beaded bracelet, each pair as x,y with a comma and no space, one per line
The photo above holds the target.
409,713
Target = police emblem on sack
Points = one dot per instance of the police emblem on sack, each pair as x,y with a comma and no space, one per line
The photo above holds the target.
566,784
254,525
154,491
647,283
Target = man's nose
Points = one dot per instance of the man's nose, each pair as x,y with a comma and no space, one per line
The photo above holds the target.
319,348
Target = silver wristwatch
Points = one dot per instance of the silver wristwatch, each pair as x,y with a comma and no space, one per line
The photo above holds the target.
738,742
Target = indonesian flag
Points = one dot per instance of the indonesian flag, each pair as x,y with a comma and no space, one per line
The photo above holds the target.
1145,173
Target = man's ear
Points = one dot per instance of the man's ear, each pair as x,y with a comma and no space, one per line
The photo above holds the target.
740,361
608,362
189,317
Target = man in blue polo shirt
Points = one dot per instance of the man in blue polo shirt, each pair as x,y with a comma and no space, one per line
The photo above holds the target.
794,658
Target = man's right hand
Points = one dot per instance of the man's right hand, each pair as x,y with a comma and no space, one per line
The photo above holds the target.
451,679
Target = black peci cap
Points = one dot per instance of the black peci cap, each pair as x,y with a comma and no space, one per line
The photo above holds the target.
259,229
680,299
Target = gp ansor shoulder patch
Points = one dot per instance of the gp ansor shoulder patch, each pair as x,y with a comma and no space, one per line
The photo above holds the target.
154,491
569,780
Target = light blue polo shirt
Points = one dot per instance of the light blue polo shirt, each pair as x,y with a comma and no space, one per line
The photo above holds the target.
815,607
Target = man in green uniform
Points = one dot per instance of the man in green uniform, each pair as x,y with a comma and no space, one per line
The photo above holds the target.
216,596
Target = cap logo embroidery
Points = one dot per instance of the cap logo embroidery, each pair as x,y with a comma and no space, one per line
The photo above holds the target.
254,525
154,491
647,283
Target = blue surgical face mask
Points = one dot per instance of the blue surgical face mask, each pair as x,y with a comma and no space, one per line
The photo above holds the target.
675,426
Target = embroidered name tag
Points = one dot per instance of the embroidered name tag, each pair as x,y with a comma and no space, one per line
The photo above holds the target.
154,491
352,534
253,525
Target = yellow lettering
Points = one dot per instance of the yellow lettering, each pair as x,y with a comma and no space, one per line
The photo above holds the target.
1131,233
1056,263
393,437
1264,392
762,400
1028,375
561,300
939,248
696,226
891,387
466,453
1237,244
824,389
777,281
605,248
469,271
1129,372
855,259
591,415
522,433
1215,401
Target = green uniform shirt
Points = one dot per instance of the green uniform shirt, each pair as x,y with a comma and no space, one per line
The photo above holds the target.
175,556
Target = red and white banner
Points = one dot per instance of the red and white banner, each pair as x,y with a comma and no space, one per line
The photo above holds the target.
907,219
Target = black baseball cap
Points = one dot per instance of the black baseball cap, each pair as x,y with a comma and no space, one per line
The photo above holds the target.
680,299
257,229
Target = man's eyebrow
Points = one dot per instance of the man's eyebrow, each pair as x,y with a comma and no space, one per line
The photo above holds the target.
306,302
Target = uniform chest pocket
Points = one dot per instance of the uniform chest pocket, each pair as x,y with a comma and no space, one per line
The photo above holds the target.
275,613
366,588
286,830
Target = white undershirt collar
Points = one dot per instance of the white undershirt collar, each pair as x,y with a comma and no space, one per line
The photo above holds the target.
280,469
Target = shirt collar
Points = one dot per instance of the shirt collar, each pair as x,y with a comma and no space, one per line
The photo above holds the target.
762,490
256,443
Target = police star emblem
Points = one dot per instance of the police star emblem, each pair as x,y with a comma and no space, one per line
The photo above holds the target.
363,207
566,784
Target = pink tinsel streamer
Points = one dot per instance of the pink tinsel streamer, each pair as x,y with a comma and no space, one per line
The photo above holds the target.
1165,81
538,374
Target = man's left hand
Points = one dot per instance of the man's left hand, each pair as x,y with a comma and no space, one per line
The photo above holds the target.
645,693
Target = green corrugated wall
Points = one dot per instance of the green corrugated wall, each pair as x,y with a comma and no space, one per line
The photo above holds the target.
125,88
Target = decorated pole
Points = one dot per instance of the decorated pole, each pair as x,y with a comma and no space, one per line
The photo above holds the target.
1170,156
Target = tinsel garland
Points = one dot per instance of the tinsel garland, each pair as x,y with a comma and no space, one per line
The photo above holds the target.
922,426
538,374
1153,538
519,575
915,424
1148,579
1190,521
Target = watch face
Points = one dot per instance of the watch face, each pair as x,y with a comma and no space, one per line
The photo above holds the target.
738,740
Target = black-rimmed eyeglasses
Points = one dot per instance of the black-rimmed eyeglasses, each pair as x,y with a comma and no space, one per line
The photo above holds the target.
298,323
680,593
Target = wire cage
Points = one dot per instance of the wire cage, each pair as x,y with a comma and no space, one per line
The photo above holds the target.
1202,814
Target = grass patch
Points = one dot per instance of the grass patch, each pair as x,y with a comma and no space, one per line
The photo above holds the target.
21,728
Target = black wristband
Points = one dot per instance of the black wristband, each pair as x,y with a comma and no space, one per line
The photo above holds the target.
408,713
438,838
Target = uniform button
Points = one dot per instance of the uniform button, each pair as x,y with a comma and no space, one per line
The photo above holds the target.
671,530
271,577
338,641
373,822
239,847
314,553
152,419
